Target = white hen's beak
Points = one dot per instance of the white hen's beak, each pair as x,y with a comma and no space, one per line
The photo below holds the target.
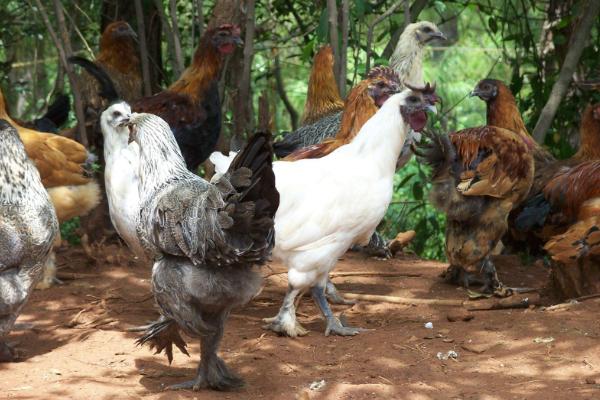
431,108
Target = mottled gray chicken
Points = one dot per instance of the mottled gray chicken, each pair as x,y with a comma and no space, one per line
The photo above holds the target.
28,226
205,238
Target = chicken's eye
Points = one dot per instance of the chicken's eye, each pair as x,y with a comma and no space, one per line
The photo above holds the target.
116,114
427,29
412,99
381,84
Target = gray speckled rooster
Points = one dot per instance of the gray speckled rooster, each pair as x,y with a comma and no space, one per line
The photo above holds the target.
205,238
28,226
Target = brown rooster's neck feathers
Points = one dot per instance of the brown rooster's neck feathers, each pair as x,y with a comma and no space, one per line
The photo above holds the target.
205,68
359,108
323,97
589,149
503,112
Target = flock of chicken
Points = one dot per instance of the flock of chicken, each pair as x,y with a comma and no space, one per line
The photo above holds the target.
204,239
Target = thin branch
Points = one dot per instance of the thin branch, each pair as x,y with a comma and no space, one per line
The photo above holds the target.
78,32
141,25
244,101
377,21
577,44
282,93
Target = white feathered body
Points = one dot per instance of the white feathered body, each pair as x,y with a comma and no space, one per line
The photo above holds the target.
121,177
330,203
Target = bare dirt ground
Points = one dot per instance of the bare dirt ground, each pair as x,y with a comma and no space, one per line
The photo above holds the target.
76,346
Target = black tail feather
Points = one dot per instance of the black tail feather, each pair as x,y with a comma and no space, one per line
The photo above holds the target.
56,115
284,148
257,156
107,87
162,335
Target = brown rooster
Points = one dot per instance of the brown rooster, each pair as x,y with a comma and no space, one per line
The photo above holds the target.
362,103
534,223
323,97
118,57
479,175
60,162
191,105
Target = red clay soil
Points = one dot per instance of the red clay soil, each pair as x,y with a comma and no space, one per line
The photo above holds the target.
75,342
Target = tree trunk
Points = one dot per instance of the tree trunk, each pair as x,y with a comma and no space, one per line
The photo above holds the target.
344,48
334,37
172,37
571,281
243,114
139,13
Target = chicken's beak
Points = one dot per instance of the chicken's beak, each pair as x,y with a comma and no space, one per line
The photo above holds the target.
238,41
124,122
432,108
439,35
474,93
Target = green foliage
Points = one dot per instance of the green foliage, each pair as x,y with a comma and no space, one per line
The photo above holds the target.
68,231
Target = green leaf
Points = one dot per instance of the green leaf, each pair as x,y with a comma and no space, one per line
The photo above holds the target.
439,6
360,7
405,179
323,28
417,190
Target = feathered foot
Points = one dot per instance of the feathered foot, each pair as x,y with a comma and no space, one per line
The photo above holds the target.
334,325
212,370
334,296
285,322
161,335
212,374
7,353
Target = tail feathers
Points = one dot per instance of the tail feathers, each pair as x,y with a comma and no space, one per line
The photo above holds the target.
580,240
56,115
534,213
257,156
107,87
438,152
74,201
162,335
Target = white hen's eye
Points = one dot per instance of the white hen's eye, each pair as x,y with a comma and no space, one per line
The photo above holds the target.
427,29
116,114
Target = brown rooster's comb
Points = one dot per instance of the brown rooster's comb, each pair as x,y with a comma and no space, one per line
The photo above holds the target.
383,72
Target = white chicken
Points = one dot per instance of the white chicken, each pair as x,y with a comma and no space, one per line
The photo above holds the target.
121,175
330,203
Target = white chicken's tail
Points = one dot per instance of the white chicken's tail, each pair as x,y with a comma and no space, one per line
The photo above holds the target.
74,201
221,161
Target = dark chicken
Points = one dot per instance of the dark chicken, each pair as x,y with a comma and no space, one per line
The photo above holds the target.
479,175
191,105
206,238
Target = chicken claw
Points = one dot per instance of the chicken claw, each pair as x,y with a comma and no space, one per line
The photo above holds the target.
285,322
214,375
335,327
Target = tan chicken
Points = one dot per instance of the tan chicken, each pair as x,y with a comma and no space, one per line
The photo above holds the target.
60,162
